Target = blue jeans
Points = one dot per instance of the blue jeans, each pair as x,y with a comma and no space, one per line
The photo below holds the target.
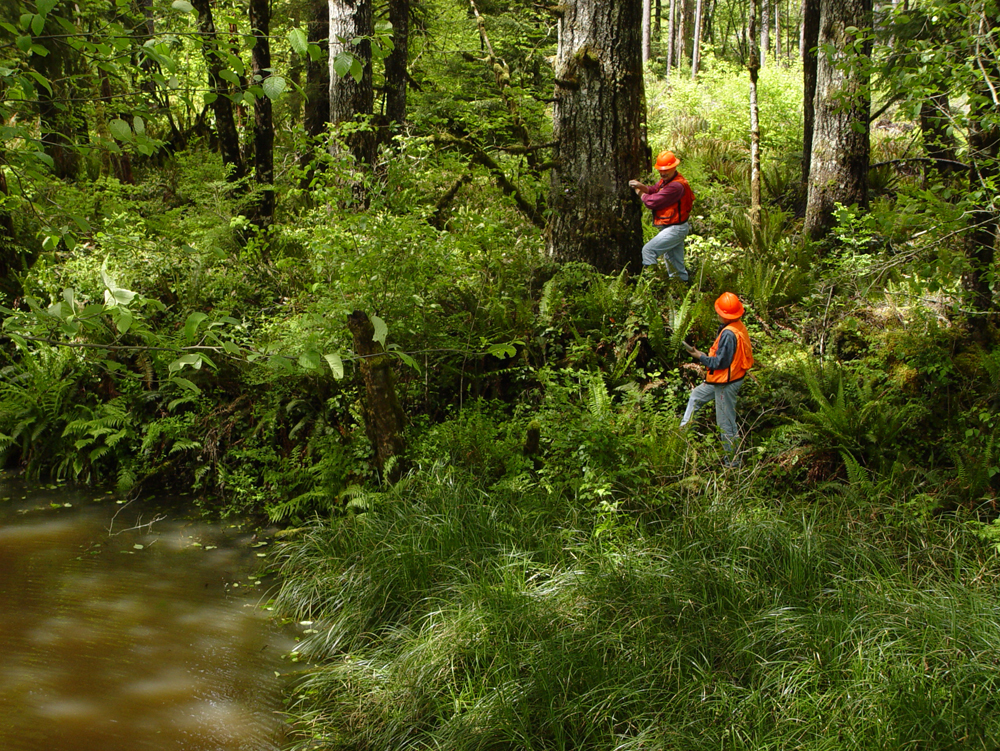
725,411
668,242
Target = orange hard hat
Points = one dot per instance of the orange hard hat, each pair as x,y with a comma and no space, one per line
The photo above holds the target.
729,306
667,160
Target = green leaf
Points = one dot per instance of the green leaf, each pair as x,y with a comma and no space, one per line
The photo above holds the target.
182,5
408,361
336,364
120,129
299,41
139,125
185,384
228,75
23,43
273,86
232,349
114,296
381,330
309,360
191,325
124,320
193,359
342,63
37,24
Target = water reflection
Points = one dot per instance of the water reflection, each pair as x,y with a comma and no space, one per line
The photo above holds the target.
147,638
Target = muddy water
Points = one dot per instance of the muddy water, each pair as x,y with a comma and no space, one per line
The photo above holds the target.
130,627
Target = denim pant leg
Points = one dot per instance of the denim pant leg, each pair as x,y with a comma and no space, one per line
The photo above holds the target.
725,415
669,241
700,395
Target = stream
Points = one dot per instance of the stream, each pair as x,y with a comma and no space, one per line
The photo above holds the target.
129,626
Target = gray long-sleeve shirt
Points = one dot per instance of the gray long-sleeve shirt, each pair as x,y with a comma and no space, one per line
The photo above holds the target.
725,352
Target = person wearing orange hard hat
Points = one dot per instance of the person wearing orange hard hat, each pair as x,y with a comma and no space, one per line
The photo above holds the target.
670,200
727,363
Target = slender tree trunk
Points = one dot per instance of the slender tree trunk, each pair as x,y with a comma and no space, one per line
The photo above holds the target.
671,33
777,30
317,107
657,30
350,97
646,26
808,40
696,46
765,31
384,418
396,62
980,242
679,52
598,126
935,117
260,61
838,171
984,175
222,105
755,202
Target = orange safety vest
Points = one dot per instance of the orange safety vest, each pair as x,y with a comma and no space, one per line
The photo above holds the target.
675,213
742,358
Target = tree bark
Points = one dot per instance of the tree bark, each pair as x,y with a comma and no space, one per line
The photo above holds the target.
600,133
222,105
938,142
696,42
808,39
396,62
317,108
838,171
350,97
384,418
647,12
671,33
755,202
765,31
260,60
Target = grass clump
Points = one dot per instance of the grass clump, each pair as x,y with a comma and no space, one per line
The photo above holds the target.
457,616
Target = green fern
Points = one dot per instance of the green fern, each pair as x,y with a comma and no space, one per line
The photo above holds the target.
598,399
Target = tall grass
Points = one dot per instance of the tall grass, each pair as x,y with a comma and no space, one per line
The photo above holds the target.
452,619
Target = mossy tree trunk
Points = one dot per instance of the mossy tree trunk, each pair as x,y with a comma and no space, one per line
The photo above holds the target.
600,133
384,418
838,170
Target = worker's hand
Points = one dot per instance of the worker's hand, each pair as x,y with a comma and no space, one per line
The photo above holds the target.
637,186
697,354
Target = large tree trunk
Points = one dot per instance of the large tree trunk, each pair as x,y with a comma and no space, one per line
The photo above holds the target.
838,171
317,108
351,97
222,105
396,62
384,418
599,129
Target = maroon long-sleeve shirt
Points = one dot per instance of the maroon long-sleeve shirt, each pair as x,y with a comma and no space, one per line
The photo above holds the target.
663,194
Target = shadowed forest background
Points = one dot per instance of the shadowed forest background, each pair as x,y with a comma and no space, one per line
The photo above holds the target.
369,273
